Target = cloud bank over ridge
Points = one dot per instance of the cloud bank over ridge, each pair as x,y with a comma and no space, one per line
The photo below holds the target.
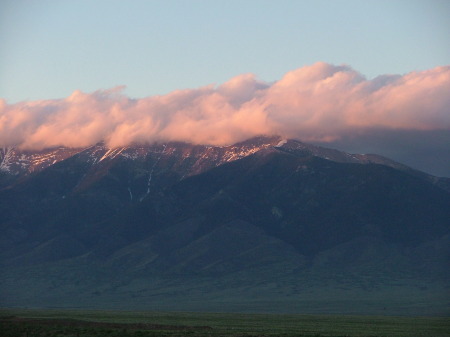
317,103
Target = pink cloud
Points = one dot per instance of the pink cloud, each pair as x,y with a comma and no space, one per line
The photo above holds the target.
321,102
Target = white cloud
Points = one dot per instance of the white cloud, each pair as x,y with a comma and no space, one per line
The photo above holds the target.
321,102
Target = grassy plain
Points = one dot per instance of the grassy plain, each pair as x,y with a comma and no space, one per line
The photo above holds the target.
81,323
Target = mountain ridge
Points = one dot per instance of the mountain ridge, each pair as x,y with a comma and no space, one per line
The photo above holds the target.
16,163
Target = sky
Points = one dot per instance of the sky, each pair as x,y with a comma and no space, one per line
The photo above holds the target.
362,76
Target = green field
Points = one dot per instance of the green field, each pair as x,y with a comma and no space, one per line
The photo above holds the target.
80,323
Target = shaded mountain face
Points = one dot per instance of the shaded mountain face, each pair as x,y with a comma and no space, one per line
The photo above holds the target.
264,225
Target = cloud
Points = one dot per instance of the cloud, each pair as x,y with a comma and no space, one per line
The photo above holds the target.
318,103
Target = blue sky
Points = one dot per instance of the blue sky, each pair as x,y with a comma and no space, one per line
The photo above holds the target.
51,48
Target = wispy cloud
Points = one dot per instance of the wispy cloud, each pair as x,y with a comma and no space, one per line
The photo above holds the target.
321,102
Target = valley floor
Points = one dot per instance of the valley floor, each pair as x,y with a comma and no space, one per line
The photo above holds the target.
81,323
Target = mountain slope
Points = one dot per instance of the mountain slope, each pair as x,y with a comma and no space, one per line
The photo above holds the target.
264,225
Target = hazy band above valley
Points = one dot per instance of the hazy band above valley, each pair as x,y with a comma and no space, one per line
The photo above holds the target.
321,103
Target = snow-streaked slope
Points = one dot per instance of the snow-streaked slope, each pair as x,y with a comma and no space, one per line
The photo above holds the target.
17,162
184,159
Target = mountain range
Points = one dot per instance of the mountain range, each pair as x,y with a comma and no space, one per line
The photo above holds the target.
265,225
